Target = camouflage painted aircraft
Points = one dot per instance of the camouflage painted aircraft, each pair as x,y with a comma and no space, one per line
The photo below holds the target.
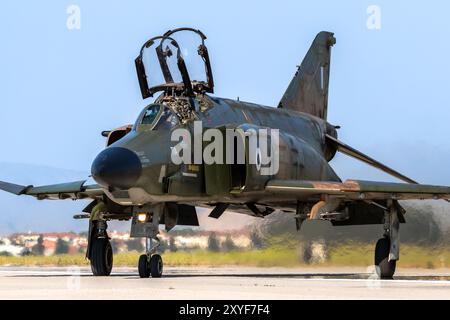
138,181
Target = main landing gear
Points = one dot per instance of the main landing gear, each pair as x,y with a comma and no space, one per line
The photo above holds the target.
102,257
387,250
150,263
100,251
385,267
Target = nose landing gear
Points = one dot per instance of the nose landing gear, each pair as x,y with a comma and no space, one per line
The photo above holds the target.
150,263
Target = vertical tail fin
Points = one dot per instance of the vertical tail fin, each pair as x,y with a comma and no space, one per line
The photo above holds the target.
308,91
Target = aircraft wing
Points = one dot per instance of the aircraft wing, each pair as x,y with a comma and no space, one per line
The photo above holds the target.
71,190
358,189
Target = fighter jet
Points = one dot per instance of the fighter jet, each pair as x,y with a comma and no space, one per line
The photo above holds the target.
189,149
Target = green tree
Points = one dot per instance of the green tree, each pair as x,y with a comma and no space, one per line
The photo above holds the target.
38,248
163,245
115,245
256,240
135,244
172,245
228,244
62,246
213,243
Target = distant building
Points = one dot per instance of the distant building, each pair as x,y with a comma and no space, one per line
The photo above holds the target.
78,243
13,250
124,236
199,240
75,241
49,247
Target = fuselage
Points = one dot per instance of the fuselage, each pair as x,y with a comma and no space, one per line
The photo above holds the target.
138,168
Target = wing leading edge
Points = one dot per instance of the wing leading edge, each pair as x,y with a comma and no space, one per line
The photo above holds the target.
70,190
359,189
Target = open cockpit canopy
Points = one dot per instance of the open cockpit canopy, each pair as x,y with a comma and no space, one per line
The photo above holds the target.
176,63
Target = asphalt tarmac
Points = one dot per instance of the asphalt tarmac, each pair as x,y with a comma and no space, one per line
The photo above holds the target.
223,283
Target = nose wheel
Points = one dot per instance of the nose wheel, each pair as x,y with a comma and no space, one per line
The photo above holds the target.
144,266
150,264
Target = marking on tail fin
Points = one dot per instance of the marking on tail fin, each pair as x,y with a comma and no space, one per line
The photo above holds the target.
308,91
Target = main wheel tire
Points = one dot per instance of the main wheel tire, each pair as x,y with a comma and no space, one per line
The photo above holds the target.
101,257
156,266
144,266
385,268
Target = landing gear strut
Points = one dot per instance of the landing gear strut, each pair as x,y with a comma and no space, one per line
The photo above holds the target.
145,224
387,250
150,263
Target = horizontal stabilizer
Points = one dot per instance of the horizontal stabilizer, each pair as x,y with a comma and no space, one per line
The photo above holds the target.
352,152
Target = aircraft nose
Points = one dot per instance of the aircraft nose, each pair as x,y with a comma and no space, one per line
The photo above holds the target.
116,167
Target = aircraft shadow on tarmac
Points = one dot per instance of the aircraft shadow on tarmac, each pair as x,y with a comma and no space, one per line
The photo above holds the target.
330,276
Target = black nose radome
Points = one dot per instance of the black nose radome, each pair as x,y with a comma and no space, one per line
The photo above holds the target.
116,167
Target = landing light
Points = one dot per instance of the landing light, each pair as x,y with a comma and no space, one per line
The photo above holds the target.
142,217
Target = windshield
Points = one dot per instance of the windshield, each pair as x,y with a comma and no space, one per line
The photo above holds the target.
167,120
157,117
150,114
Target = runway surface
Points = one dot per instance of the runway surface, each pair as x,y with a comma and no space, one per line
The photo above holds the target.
222,283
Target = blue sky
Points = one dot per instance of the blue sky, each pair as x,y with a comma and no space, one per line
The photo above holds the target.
389,88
